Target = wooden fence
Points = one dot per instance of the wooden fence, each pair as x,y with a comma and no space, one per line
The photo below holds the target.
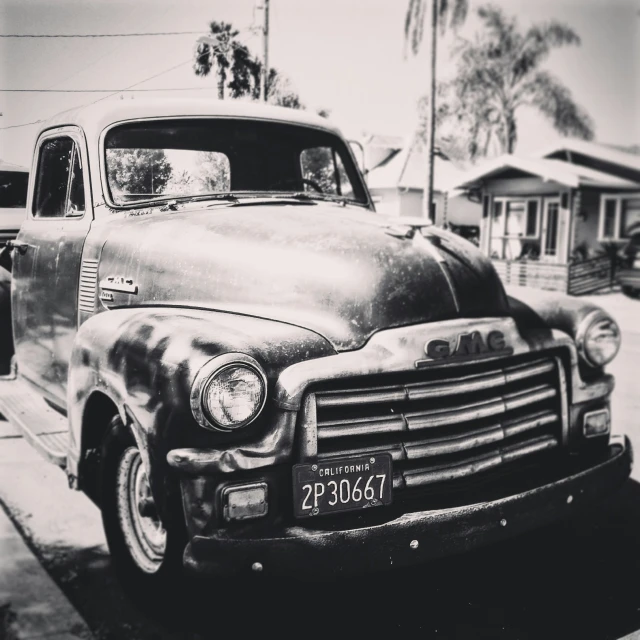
589,275
576,279
540,275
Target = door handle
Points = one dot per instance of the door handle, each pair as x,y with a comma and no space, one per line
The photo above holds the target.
19,245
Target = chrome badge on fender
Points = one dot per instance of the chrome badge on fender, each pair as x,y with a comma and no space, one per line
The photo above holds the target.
465,346
119,284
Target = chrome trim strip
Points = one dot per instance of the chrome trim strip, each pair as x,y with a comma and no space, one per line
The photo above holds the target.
466,441
410,421
435,389
564,401
420,240
480,463
309,436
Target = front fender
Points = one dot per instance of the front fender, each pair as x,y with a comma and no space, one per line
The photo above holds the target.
145,360
539,309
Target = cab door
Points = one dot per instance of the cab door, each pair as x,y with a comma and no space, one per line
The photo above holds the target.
47,259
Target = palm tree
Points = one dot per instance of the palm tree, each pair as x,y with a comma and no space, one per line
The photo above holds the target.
238,70
498,73
220,55
439,11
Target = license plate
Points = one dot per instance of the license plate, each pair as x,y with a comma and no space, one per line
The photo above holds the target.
345,484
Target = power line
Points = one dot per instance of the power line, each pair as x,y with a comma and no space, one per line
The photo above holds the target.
104,90
135,84
25,124
97,35
116,92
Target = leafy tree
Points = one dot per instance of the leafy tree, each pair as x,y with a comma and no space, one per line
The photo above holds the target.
499,72
213,172
210,174
443,13
138,171
181,184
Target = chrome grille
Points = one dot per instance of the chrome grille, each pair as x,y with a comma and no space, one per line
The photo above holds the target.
439,426
88,284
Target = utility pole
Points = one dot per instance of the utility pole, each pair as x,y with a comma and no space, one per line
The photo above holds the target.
431,124
265,51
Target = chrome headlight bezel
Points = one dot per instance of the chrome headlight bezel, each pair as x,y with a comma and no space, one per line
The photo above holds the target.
588,324
205,376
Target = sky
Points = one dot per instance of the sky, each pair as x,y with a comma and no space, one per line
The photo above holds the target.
343,55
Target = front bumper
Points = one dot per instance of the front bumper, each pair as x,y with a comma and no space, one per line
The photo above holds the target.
300,551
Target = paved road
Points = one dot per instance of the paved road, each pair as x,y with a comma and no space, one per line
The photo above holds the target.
577,579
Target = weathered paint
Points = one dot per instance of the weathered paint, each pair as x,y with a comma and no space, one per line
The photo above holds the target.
145,360
325,267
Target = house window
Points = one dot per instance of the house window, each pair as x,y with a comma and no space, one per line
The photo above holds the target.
532,218
619,216
610,207
521,219
629,217
512,221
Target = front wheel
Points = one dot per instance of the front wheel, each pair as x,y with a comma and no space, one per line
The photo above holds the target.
146,552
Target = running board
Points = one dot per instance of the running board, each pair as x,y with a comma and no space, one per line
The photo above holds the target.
43,427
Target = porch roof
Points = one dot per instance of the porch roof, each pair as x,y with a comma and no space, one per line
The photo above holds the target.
406,169
564,173
606,153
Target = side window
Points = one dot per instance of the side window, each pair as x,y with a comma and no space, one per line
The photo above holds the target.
345,188
59,189
13,189
323,168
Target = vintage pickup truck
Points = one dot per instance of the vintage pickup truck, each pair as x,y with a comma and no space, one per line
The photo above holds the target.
247,369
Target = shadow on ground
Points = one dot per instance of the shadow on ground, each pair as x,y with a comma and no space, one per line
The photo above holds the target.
577,579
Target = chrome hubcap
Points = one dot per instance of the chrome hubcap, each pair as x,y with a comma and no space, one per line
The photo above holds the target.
144,535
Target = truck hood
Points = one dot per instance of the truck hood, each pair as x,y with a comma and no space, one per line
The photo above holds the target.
342,272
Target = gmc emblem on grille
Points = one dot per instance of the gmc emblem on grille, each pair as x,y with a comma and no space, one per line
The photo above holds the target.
466,346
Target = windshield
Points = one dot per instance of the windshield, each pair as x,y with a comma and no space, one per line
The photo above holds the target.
160,160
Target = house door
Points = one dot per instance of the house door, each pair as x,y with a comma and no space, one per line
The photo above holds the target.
555,224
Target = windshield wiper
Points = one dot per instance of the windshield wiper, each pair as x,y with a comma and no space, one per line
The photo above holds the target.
170,201
326,197
227,197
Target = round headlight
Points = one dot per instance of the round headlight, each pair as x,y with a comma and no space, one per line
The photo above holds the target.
598,339
229,392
